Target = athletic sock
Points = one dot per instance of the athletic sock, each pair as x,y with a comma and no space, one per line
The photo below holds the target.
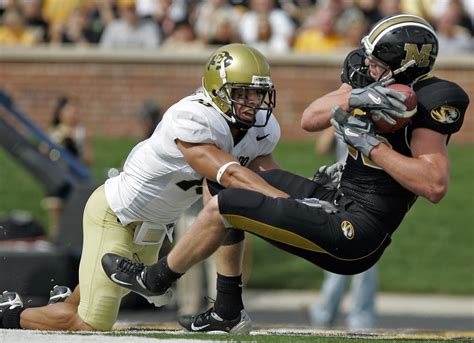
159,276
11,318
229,296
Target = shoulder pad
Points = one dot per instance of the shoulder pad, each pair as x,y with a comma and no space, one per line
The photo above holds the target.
441,105
193,122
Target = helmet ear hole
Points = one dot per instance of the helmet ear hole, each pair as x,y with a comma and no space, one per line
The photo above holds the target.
220,94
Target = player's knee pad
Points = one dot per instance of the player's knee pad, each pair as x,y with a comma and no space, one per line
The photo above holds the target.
234,236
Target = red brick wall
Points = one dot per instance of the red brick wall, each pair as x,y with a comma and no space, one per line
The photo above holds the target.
112,89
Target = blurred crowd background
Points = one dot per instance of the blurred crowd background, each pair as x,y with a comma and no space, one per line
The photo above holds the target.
272,26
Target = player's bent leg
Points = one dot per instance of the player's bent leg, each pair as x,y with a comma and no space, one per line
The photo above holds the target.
308,231
229,256
200,241
59,316
227,314
103,233
56,316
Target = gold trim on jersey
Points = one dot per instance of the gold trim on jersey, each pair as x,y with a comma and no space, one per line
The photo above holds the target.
284,236
273,232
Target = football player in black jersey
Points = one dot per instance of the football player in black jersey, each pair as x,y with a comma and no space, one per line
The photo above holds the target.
342,229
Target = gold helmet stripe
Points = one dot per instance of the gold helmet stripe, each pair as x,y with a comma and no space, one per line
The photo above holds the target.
396,21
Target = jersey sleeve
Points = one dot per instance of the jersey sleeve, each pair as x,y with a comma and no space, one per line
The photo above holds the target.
441,106
196,127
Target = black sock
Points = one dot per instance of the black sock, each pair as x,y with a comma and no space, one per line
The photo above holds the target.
229,296
159,276
11,318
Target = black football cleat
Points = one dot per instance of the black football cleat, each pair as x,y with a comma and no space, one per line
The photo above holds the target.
210,321
59,294
128,274
9,301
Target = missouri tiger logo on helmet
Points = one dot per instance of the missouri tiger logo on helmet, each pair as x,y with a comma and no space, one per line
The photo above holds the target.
398,40
239,68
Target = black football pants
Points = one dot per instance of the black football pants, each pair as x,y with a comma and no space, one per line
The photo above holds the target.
347,242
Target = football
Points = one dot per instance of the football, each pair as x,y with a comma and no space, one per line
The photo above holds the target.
382,126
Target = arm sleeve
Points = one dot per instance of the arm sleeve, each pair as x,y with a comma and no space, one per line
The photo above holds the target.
441,106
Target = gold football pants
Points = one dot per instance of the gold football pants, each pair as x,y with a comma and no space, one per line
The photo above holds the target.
103,233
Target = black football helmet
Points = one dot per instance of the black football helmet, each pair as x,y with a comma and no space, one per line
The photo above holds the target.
355,71
397,40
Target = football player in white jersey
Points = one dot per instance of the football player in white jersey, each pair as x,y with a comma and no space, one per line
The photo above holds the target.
220,133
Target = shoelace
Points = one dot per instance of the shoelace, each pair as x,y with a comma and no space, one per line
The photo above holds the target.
206,315
129,267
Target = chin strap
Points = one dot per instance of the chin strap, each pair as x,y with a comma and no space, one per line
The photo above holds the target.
398,71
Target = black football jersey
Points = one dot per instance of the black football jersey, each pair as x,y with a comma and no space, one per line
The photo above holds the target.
441,107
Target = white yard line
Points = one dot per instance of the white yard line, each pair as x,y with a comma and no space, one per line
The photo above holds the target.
30,336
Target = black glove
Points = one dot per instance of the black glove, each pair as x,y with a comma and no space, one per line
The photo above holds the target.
358,132
379,101
315,202
329,177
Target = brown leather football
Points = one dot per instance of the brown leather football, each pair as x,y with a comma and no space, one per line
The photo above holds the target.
410,102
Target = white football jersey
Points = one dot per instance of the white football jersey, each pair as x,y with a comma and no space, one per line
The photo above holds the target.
156,184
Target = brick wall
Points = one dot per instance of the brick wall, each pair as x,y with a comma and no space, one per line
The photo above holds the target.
112,87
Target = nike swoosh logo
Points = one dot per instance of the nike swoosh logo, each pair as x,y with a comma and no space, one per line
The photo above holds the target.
197,328
114,279
375,99
259,138
348,132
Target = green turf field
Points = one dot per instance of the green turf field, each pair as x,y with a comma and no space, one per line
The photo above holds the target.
431,251
283,335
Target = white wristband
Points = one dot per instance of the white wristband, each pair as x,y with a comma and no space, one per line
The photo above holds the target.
222,170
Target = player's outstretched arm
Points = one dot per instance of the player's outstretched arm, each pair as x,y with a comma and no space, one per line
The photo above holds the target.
220,166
